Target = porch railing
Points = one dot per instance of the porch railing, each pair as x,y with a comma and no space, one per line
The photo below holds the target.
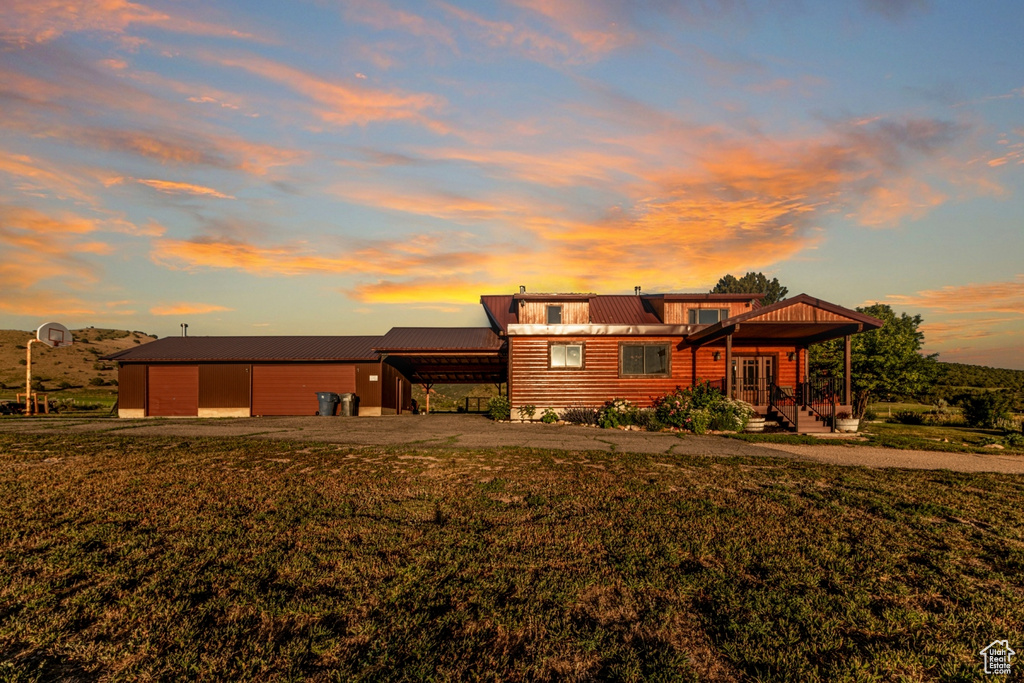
820,395
784,403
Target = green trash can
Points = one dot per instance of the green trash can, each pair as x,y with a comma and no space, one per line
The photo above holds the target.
328,401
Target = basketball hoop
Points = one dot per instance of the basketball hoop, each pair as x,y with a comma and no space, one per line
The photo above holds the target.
53,335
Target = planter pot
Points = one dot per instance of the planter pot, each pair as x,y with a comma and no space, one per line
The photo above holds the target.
849,425
755,424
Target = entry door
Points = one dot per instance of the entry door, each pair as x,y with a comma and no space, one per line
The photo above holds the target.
752,376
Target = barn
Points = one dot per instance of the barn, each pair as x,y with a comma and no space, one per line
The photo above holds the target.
255,376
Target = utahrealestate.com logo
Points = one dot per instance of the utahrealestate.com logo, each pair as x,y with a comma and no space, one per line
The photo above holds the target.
998,657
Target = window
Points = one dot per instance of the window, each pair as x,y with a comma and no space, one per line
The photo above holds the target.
567,355
708,316
644,359
554,315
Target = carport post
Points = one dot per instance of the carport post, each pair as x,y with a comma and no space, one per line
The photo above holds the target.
426,388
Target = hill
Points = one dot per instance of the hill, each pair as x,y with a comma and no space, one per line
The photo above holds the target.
67,369
961,376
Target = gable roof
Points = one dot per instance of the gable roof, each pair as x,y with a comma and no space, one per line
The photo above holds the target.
252,349
501,309
800,318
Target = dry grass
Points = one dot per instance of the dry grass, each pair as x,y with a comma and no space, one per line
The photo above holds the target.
229,559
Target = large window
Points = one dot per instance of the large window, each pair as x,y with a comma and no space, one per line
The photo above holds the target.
566,356
645,359
554,315
708,316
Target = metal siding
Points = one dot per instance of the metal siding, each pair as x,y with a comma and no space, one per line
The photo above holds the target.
224,385
131,386
290,389
172,390
394,386
369,393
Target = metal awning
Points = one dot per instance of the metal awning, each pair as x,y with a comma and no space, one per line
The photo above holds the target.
446,355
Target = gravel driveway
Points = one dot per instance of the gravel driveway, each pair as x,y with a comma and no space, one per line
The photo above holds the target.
476,431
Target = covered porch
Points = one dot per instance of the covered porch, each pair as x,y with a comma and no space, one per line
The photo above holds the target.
808,404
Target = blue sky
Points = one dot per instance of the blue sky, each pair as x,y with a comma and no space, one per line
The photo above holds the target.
342,167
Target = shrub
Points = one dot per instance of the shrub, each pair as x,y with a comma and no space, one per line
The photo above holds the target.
729,415
907,417
648,419
97,381
498,408
527,412
549,416
580,415
701,407
869,415
1014,440
617,413
64,384
986,410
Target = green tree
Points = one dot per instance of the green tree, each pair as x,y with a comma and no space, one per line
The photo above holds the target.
752,283
884,363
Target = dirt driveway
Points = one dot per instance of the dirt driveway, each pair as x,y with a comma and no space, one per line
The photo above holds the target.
476,431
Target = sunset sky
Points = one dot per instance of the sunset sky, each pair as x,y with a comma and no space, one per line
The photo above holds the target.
341,167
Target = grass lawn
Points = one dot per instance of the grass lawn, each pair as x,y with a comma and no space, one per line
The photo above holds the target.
232,559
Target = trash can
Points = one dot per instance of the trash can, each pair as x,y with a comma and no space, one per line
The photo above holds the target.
328,402
348,405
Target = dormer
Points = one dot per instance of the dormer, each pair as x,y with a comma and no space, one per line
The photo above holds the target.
700,309
553,309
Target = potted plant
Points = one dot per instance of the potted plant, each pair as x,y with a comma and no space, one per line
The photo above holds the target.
755,423
845,422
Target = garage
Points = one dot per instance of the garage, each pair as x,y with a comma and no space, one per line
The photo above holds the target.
290,389
172,390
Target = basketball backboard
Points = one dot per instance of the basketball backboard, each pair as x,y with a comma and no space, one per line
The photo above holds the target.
54,334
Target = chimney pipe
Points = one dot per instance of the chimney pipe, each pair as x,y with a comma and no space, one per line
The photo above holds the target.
184,329
637,290
522,289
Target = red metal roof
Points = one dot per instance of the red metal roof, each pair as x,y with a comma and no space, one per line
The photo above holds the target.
621,310
501,309
252,349
439,339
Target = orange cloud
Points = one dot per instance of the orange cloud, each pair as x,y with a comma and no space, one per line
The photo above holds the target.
516,36
991,297
340,103
597,27
39,178
171,187
39,21
382,16
187,309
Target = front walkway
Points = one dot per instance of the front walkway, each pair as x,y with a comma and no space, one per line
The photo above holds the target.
476,431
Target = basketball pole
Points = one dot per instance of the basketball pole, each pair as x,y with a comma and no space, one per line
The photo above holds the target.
29,407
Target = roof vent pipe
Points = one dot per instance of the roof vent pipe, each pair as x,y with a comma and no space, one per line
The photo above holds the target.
184,329
522,289
637,290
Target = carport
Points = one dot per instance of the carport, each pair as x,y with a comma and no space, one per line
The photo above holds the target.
447,355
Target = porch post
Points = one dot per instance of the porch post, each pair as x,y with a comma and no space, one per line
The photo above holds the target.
728,365
847,392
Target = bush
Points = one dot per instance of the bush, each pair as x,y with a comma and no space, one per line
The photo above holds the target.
527,412
549,416
648,419
97,382
580,415
617,413
986,410
498,408
64,384
701,407
869,415
907,417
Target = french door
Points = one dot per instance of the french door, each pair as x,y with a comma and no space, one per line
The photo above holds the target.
751,377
